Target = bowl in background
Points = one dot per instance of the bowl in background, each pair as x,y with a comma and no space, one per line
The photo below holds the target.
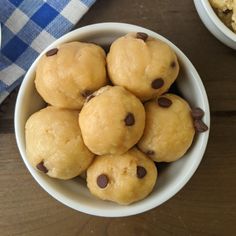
214,24
74,193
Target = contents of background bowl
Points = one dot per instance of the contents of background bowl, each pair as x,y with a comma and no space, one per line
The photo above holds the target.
145,66
66,75
226,10
111,121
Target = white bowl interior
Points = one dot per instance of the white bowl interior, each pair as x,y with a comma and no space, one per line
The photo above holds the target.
74,193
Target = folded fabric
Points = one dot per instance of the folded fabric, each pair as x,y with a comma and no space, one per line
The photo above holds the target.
27,28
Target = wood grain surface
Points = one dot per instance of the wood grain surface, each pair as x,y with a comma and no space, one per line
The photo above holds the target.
205,206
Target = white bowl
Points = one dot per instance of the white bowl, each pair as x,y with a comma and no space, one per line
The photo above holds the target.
214,24
74,193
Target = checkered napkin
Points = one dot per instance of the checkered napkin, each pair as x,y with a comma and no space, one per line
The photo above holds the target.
28,26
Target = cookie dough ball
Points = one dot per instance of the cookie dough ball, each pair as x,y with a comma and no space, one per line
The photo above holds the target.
54,144
234,17
145,66
222,5
226,18
226,10
112,121
169,129
66,75
124,178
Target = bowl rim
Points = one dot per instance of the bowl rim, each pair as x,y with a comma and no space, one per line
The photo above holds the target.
140,208
217,22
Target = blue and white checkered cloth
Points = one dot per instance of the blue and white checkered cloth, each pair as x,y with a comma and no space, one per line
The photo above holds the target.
29,26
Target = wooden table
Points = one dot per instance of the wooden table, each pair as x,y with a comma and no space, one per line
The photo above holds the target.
206,205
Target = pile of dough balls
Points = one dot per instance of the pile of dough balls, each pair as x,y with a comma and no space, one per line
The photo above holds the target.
97,122
226,10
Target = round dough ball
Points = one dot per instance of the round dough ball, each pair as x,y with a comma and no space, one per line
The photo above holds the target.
226,18
112,121
67,75
124,178
226,10
145,66
54,143
222,5
169,129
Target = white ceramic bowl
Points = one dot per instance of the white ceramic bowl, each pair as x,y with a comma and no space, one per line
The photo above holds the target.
214,24
74,193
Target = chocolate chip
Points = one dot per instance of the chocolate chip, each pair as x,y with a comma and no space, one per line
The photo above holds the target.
129,119
42,167
164,102
102,181
197,113
86,93
51,52
141,172
227,11
89,98
157,83
150,153
200,126
173,64
141,35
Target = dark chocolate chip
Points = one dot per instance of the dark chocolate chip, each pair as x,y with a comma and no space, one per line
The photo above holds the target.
42,167
89,98
141,35
102,181
200,126
129,119
141,172
164,102
86,93
150,152
51,52
157,83
173,64
197,113
227,11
